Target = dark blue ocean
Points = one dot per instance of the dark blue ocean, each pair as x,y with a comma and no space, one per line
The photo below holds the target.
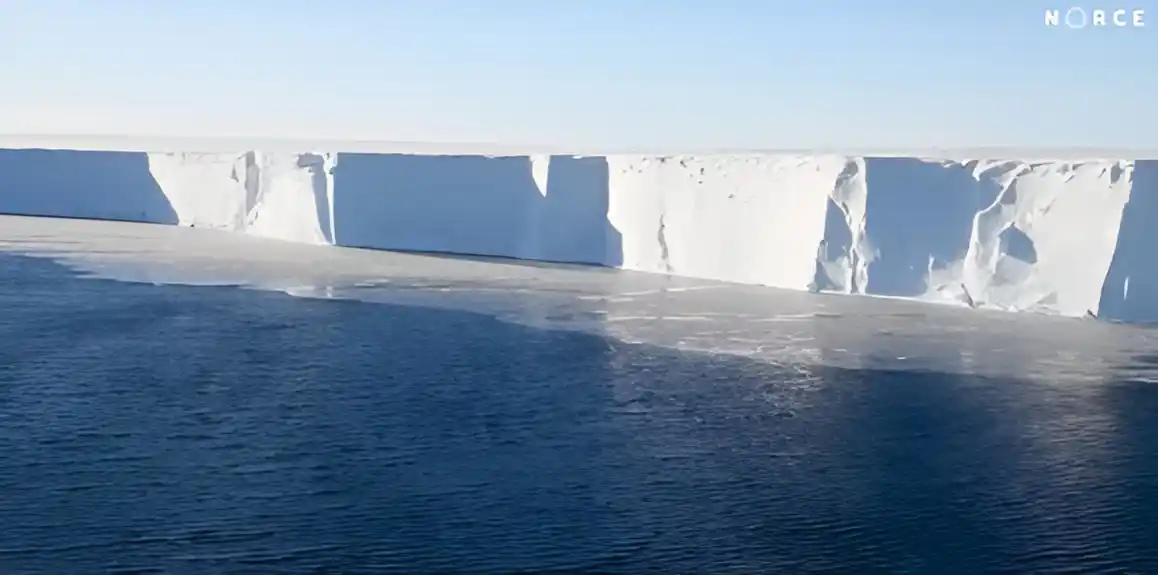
195,430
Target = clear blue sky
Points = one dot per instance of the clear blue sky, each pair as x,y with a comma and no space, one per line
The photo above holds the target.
612,73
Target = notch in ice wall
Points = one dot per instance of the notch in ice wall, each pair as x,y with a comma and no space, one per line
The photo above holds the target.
208,190
843,256
918,217
571,220
292,198
275,195
1046,241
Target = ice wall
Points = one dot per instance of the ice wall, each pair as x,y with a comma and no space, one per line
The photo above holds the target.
1012,235
1047,239
539,208
82,184
280,196
1065,237
1130,291
749,219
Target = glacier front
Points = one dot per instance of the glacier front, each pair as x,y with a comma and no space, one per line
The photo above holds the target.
1058,236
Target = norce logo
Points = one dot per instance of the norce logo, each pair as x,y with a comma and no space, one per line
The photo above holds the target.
1077,17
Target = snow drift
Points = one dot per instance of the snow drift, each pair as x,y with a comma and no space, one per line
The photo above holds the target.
1066,237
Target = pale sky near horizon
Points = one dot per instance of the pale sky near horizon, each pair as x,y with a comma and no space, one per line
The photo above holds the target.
612,73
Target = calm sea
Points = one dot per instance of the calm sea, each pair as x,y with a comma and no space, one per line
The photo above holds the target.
169,429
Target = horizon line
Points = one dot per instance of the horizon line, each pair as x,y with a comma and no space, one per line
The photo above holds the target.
443,147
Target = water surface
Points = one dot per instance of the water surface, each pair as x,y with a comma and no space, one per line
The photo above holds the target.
177,429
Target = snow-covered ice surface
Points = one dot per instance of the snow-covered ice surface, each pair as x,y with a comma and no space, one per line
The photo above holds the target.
1056,235
774,325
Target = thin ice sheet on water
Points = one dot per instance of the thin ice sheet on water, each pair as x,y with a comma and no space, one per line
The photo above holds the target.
766,324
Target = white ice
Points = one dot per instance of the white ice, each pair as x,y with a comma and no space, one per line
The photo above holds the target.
1057,235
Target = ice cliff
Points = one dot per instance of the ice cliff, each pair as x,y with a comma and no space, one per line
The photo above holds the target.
1066,237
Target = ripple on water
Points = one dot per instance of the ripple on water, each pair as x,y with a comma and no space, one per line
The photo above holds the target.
214,430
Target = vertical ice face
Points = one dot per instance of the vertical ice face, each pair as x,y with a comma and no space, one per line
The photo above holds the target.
207,190
292,198
460,204
752,219
843,256
1064,237
283,196
82,184
570,223
1130,290
1047,240
549,208
918,213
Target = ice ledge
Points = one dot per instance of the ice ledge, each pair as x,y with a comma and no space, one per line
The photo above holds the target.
1061,236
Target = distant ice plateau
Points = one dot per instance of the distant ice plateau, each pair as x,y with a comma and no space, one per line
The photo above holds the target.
1017,232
